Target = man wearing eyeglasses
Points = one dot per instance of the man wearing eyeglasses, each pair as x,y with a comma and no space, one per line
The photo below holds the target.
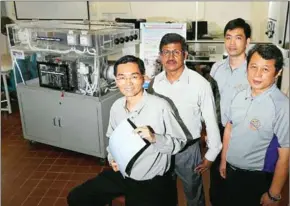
191,97
150,182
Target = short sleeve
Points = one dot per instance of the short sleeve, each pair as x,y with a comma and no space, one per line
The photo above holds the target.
281,127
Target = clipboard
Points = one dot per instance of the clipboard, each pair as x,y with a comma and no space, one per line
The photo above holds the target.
138,154
126,146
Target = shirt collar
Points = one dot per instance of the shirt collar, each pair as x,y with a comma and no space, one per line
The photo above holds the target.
163,76
242,67
139,106
183,77
260,96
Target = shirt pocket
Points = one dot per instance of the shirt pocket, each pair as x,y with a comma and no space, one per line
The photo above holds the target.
236,116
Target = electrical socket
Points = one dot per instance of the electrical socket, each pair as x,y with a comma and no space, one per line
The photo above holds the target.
191,47
212,49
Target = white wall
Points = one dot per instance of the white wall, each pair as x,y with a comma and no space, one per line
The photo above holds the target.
216,13
10,9
259,19
99,10
51,10
3,41
174,10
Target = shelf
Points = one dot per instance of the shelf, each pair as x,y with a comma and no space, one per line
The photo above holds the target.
104,51
205,41
212,59
34,84
222,41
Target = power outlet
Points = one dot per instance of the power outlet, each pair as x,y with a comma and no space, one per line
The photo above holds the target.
212,49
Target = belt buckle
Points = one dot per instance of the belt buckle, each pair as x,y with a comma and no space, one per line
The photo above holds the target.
233,167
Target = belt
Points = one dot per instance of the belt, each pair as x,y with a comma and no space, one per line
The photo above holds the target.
167,174
237,169
192,141
267,175
189,143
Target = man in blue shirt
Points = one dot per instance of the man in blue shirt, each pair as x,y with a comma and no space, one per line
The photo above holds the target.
231,76
255,155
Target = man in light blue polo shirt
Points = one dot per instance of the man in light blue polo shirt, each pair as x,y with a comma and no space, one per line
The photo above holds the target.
231,76
255,156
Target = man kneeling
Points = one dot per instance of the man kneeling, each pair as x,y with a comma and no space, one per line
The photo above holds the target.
150,182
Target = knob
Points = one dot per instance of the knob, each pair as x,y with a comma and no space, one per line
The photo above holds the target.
135,36
122,40
126,39
131,38
116,41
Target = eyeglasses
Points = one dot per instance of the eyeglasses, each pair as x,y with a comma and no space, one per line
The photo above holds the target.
167,53
132,78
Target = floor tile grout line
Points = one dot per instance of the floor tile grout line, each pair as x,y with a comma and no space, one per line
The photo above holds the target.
60,155
29,178
63,189
43,196
28,195
39,183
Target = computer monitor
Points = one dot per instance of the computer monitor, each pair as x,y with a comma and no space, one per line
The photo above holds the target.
201,29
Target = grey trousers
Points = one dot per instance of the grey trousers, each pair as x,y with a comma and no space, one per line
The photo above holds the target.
185,162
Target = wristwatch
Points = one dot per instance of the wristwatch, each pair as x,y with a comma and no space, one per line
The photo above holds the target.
274,198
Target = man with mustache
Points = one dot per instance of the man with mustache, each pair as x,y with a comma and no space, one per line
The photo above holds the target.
231,76
191,97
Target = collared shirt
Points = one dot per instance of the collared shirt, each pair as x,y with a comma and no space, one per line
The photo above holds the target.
260,125
170,138
192,100
229,82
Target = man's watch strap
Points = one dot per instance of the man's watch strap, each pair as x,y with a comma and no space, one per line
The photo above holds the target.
274,198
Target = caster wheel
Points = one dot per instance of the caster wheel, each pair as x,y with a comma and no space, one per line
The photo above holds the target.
31,143
103,161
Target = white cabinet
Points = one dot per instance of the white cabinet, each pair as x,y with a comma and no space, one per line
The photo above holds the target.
40,115
79,124
70,121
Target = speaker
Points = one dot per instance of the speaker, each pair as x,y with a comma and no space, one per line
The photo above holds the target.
201,29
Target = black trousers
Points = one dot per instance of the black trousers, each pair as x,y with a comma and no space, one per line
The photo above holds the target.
99,191
246,187
217,183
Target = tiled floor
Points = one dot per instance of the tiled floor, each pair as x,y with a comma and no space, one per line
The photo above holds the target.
38,175
41,175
